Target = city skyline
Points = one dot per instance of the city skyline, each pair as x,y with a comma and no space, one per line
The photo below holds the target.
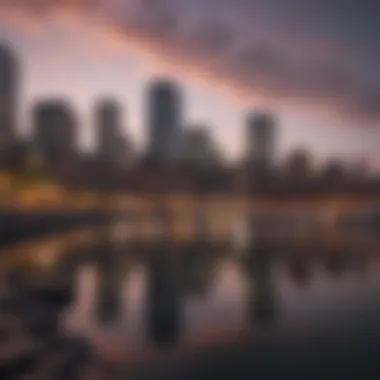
100,65
173,114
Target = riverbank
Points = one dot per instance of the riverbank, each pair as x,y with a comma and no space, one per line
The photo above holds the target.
16,226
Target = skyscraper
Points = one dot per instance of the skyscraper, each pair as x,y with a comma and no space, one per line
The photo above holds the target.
55,130
8,96
260,138
164,118
198,147
298,165
111,143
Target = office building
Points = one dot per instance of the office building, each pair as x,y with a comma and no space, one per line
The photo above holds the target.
164,119
198,147
260,142
8,97
298,165
112,145
55,131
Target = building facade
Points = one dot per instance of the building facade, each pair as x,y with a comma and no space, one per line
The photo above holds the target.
55,131
112,145
199,148
164,122
8,97
260,143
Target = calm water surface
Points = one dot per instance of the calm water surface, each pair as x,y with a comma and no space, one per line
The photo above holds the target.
135,298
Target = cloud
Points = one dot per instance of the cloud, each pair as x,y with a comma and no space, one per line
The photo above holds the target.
323,53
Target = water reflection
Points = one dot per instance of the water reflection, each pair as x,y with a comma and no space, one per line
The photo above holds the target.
110,276
164,295
300,265
198,268
169,291
258,266
336,260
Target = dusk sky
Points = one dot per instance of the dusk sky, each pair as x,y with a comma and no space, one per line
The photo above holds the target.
315,64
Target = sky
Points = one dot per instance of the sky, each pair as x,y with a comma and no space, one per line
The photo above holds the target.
313,63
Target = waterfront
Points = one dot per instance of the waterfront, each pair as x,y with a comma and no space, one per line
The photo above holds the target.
120,292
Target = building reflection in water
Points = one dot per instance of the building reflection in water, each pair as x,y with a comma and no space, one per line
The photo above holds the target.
198,257
335,260
199,262
164,290
110,275
259,267
108,301
181,293
299,265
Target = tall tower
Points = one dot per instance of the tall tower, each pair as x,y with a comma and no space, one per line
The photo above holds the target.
260,137
164,115
111,143
8,96
55,131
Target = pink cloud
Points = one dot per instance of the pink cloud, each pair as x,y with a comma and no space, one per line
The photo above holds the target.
305,52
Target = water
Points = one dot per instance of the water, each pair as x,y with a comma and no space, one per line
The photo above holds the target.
135,298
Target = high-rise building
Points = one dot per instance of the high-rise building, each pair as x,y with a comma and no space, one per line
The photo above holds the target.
260,143
55,131
8,96
164,118
334,171
298,165
111,143
260,137
198,147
